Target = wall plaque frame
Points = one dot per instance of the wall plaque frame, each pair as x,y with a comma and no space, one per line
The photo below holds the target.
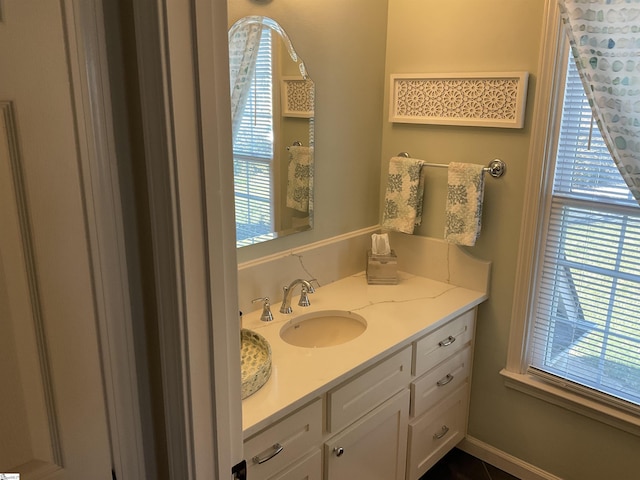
468,99
297,97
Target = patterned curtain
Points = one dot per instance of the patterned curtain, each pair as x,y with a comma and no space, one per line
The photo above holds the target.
605,42
244,40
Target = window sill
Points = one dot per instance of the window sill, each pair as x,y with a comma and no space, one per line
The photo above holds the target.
571,401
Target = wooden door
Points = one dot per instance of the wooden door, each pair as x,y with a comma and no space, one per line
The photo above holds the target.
53,419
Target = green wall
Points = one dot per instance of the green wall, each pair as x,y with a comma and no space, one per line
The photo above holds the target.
351,48
343,46
432,36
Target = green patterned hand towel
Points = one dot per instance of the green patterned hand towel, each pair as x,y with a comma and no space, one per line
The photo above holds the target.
403,200
464,203
299,177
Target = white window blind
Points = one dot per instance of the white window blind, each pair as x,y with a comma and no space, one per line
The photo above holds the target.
253,154
586,332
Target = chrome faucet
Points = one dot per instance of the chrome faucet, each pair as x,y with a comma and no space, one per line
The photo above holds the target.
304,297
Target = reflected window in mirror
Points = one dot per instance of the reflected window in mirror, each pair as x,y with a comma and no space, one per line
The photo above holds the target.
272,101
253,164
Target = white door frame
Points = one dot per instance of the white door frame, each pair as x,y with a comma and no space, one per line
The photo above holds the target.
105,233
183,68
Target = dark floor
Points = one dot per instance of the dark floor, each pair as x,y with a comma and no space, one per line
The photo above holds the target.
458,465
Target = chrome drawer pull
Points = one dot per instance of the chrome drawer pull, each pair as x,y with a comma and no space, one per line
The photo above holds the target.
339,451
442,382
447,341
277,448
438,436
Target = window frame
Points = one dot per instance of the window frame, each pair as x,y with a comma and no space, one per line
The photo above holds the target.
546,121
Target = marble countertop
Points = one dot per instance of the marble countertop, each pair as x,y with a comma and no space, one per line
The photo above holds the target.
396,315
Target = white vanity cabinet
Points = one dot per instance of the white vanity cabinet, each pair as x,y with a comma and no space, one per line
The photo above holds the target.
392,421
440,393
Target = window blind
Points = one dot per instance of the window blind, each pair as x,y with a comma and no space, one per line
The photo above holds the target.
253,154
586,332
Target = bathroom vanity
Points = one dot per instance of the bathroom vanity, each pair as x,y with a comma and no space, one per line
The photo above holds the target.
386,404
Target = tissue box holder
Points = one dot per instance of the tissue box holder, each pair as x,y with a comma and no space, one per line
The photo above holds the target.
382,269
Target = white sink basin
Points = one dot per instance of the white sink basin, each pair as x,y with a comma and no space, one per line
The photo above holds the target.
325,328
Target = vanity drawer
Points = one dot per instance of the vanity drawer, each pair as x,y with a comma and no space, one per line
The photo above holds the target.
308,468
440,382
297,434
432,435
445,341
350,401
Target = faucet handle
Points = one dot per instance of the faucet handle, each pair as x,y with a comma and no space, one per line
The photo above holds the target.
311,289
266,316
304,297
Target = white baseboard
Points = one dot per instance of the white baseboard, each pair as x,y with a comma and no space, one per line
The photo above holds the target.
502,460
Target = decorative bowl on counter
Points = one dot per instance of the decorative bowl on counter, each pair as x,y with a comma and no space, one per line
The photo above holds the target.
255,361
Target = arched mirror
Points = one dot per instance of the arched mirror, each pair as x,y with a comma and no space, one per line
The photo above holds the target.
272,102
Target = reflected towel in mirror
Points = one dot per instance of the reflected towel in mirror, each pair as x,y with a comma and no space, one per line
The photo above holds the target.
465,193
403,199
298,178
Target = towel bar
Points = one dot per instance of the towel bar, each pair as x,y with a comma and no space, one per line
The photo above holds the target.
496,167
296,144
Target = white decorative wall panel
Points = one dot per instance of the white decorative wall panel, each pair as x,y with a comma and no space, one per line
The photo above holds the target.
469,99
297,97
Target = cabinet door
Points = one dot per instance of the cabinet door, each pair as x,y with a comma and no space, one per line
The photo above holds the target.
374,447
